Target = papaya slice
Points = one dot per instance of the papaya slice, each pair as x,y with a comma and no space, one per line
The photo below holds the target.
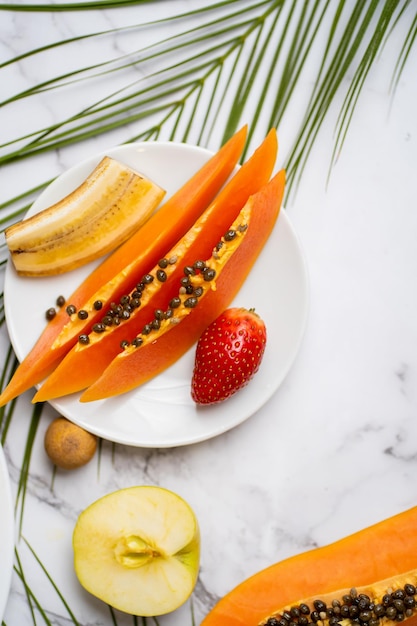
146,246
87,360
160,346
367,578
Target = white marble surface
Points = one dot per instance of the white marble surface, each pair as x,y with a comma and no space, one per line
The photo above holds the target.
335,449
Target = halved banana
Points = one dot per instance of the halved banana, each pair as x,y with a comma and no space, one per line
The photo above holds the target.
111,204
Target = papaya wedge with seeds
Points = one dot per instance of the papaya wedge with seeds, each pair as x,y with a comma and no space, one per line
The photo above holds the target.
84,370
159,349
84,363
377,561
147,245
392,599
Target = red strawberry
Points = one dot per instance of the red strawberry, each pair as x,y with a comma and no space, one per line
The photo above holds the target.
228,355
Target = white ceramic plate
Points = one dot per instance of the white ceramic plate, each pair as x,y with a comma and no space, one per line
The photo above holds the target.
6,534
161,412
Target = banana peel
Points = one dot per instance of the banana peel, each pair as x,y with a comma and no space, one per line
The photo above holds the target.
94,219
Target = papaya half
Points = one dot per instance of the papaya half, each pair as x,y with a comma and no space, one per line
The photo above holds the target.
144,248
162,344
90,356
368,578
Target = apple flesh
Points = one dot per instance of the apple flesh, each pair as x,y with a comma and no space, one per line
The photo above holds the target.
138,550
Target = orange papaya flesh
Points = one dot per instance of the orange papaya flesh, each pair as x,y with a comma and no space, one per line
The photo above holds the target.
379,558
138,364
86,361
147,245
198,286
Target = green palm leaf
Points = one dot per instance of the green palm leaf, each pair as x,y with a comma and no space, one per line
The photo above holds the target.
406,48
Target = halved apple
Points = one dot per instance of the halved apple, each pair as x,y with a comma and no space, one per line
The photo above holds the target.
138,550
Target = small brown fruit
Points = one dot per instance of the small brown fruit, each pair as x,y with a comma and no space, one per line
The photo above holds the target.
67,445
